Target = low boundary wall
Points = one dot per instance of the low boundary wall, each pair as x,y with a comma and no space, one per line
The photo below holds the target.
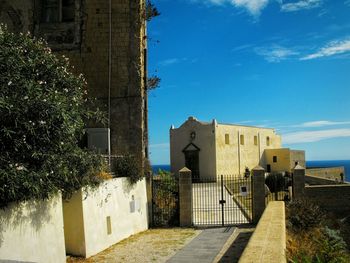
96,219
315,180
333,198
331,173
268,242
32,231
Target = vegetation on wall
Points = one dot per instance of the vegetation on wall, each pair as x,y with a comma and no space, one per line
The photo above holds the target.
127,166
165,199
43,107
151,11
313,236
153,82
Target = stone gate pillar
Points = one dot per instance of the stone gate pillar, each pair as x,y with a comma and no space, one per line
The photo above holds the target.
298,181
258,194
185,195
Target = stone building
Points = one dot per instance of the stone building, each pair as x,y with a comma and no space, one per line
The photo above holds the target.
105,41
210,149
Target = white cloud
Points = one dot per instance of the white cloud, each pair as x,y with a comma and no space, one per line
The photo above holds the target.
253,6
314,136
300,5
275,53
333,48
347,2
314,124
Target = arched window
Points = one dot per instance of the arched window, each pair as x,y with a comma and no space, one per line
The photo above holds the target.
268,141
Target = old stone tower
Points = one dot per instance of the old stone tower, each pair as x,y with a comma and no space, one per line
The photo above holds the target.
106,41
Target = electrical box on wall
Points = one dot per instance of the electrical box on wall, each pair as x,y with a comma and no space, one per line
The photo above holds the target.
99,140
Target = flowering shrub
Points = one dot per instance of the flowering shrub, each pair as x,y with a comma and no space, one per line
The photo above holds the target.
42,107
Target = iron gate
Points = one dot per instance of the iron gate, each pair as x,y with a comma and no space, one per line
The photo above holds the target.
224,201
278,187
165,201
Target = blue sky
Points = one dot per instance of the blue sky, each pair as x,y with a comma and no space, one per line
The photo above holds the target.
269,63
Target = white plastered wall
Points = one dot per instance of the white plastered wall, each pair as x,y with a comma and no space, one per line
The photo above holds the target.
32,232
110,213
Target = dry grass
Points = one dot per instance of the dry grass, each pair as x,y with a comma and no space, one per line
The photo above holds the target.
154,245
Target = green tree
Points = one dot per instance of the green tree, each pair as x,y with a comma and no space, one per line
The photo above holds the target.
43,107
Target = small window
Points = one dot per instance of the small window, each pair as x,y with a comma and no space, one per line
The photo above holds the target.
227,138
50,11
241,139
55,11
255,140
68,8
268,141
274,159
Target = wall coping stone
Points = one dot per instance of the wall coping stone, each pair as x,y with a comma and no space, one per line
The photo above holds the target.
268,242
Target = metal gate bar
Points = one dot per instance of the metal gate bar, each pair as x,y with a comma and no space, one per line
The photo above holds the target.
221,201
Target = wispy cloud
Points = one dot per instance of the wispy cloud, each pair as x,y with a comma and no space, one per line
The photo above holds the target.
275,53
315,124
331,49
300,5
172,61
347,2
253,7
242,48
314,136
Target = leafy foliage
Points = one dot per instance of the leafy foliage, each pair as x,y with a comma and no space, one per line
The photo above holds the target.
127,166
165,199
276,182
43,107
311,239
304,215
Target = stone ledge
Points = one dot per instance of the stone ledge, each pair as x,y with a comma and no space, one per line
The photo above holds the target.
268,243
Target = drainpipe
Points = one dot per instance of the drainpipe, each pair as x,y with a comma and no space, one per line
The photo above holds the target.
109,74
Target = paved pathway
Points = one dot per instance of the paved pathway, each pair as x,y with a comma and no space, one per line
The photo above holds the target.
205,247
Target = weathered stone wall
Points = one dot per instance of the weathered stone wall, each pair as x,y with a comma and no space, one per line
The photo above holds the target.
315,180
333,198
331,173
86,43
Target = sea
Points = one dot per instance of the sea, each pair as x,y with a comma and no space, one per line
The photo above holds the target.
309,164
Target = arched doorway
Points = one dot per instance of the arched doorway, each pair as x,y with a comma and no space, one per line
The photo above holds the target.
191,152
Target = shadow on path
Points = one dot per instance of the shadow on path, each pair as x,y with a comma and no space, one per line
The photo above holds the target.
234,252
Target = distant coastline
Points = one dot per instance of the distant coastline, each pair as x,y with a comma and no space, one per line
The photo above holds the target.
309,164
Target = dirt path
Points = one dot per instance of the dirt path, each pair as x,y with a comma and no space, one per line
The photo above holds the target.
154,245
